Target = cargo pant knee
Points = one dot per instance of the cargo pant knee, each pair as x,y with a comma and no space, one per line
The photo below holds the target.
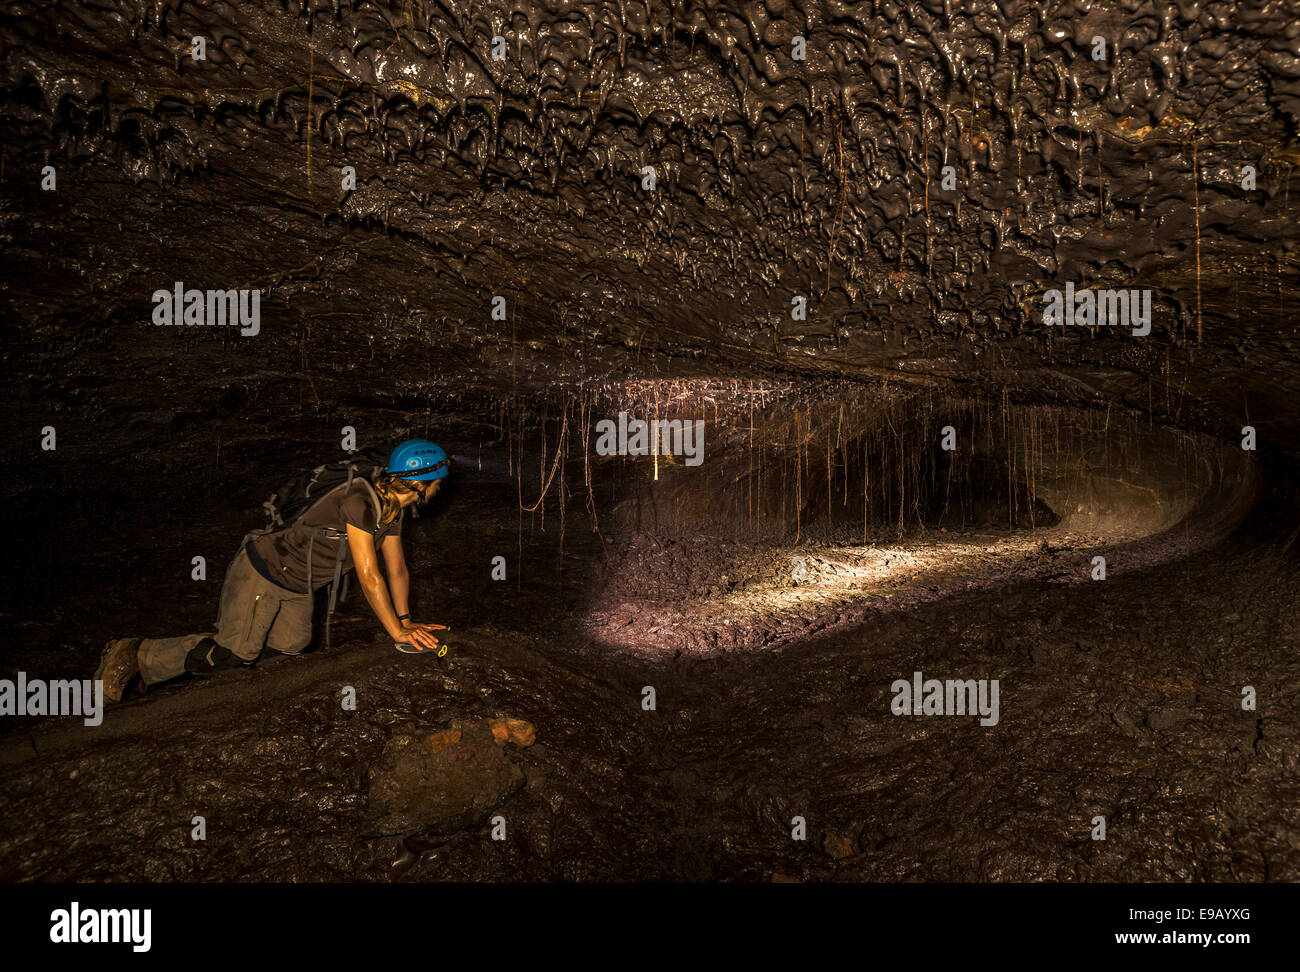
249,604
290,632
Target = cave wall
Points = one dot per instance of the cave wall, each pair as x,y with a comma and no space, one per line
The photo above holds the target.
800,235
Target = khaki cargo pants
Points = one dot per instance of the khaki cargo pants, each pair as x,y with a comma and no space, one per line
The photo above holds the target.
254,613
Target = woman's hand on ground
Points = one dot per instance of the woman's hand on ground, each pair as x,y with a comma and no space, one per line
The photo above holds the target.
422,635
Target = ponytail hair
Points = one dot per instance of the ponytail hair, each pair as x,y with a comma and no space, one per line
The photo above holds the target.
391,489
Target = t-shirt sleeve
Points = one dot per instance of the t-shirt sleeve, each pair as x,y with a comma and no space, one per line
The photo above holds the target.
358,511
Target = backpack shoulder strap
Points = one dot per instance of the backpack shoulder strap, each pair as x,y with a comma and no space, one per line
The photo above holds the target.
374,498
333,533
298,524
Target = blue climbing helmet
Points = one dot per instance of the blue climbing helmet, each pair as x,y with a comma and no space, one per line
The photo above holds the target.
418,459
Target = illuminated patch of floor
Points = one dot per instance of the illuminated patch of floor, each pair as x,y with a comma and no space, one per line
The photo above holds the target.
794,591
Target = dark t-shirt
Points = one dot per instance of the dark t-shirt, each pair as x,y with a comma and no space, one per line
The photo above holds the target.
285,552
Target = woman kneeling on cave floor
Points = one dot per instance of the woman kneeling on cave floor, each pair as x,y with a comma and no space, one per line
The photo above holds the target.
269,590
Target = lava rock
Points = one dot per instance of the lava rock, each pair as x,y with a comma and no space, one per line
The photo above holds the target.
1164,719
839,846
447,781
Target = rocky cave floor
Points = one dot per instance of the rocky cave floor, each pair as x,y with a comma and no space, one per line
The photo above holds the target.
1118,698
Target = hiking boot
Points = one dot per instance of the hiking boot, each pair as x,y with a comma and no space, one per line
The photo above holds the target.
118,666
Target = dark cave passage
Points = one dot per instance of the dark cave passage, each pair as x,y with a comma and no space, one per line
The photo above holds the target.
941,349
1101,685
769,630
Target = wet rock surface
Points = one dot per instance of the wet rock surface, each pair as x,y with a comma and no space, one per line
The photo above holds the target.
522,177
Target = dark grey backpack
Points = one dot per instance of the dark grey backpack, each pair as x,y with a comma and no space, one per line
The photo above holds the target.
293,500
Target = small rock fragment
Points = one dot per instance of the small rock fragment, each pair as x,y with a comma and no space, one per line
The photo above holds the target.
517,731
839,846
